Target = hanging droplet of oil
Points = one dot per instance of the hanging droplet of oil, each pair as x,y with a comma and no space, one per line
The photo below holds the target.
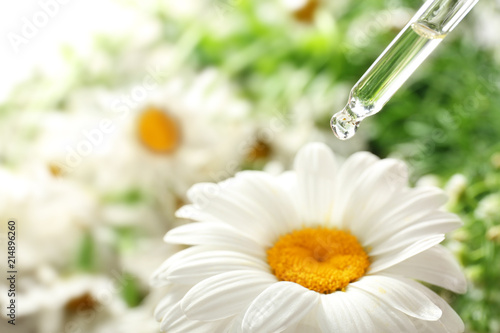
344,124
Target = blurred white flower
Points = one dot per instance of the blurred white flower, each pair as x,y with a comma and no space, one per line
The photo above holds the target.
487,23
182,131
489,208
455,187
428,180
57,304
52,215
132,320
265,256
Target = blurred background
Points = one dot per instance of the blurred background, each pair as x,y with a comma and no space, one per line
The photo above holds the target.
111,110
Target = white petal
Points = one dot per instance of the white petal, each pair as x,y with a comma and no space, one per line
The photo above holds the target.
449,322
394,257
386,319
348,175
172,318
162,308
345,313
436,266
316,177
277,200
358,311
176,321
434,223
224,295
308,324
203,265
173,296
374,188
252,202
406,208
400,296
280,306
287,180
235,324
213,233
172,314
293,329
190,212
160,277
301,328
217,205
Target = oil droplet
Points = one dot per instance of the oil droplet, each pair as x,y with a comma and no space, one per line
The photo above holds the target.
344,124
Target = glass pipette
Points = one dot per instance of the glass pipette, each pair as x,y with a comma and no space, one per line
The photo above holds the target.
426,29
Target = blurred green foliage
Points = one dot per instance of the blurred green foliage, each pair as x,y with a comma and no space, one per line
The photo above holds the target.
131,291
479,249
86,260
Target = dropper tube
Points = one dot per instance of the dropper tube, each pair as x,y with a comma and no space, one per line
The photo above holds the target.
421,35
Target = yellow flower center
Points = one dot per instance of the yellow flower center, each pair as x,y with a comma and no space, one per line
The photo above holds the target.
306,12
55,170
259,150
157,131
321,259
84,302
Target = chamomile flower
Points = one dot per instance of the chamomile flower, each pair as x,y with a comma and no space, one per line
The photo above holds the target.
52,303
132,320
324,248
53,215
178,133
